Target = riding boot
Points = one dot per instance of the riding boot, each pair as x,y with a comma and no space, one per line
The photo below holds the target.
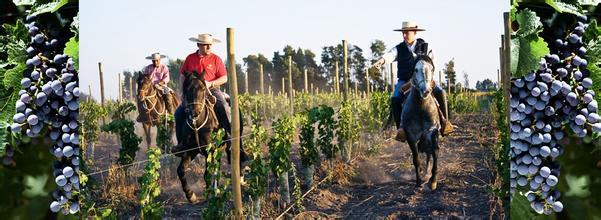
445,123
397,109
180,120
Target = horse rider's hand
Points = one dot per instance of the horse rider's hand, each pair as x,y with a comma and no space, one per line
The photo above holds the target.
165,89
209,84
378,64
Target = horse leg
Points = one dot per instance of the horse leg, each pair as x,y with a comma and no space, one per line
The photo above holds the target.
181,173
414,155
147,133
434,147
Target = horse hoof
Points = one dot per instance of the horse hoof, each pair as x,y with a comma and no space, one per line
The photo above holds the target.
192,199
433,186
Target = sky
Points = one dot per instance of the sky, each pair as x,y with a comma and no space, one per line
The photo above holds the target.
120,34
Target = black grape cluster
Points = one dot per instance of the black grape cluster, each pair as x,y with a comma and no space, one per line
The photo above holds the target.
546,105
49,103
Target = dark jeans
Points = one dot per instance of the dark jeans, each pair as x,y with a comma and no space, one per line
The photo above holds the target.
222,111
397,104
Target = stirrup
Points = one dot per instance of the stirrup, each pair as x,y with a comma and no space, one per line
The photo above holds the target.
447,128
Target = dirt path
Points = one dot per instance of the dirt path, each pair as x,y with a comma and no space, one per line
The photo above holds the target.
383,184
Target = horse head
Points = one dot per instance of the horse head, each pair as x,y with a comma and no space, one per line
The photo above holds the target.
423,75
144,85
194,92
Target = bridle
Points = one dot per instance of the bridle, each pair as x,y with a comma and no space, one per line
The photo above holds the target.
205,103
422,80
153,105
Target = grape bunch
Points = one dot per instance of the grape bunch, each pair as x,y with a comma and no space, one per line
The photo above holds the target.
48,104
546,105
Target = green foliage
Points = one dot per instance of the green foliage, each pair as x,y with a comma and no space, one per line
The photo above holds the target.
11,70
216,192
348,125
164,133
450,73
126,131
326,128
89,115
502,148
307,149
22,197
259,171
296,192
280,144
460,103
526,46
129,140
149,186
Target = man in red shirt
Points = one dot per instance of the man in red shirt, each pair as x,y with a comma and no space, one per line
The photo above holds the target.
215,75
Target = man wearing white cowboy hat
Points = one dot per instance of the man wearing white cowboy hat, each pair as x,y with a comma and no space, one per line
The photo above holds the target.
204,60
404,54
159,75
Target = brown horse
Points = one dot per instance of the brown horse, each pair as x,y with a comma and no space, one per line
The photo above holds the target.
151,106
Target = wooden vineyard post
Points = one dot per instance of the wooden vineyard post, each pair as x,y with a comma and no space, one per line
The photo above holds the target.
345,73
246,83
131,88
507,62
120,97
261,79
337,82
290,91
235,151
89,92
367,81
101,89
306,82
283,85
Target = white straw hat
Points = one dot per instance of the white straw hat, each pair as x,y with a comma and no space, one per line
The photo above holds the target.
409,26
155,56
204,39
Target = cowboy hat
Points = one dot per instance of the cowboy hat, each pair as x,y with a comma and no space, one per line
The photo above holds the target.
155,56
204,39
409,26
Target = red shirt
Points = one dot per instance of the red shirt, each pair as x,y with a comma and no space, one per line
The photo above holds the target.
211,63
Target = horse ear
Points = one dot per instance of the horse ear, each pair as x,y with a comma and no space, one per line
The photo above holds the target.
431,55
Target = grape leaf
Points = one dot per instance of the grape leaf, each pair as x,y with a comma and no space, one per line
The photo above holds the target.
59,5
520,206
589,2
577,186
34,185
565,7
529,23
72,49
3,137
526,53
23,2
43,8
592,32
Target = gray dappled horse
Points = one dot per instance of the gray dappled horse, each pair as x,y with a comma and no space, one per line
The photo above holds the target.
420,118
151,106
